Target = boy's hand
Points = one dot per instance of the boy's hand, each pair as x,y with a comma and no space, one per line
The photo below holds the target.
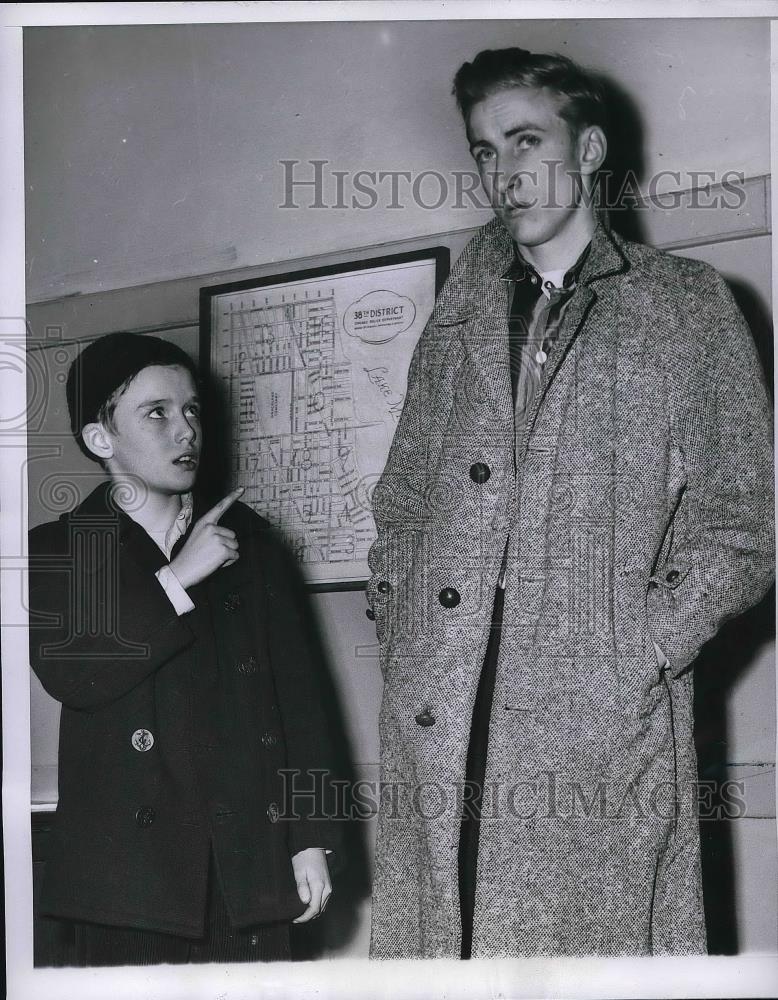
209,547
313,881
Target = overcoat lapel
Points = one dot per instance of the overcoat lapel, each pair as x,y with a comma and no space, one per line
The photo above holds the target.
485,339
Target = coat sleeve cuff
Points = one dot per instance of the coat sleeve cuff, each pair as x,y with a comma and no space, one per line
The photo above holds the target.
176,594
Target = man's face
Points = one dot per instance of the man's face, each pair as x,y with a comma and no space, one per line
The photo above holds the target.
527,160
157,434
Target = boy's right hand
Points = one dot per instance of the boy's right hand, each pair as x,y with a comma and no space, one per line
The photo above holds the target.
209,547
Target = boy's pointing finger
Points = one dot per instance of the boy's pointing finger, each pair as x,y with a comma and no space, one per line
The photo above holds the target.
213,515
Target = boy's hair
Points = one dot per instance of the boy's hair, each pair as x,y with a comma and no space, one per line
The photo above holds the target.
493,70
104,369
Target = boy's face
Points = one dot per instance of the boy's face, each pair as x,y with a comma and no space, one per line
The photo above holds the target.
527,161
157,433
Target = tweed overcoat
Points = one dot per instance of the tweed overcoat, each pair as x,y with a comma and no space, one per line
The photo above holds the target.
227,695
636,509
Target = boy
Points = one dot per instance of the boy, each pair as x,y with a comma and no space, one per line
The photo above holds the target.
175,637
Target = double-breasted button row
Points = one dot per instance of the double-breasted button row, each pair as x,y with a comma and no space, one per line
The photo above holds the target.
247,666
142,740
448,597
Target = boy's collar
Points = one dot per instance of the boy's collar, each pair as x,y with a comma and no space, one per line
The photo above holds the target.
184,516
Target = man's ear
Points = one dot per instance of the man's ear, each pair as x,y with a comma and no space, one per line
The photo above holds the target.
98,441
592,149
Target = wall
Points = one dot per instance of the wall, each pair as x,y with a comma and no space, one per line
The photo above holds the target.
119,231
153,152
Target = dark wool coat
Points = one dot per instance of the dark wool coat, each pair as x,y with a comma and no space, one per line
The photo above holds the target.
638,508
230,695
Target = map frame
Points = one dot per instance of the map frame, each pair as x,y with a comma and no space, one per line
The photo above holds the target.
316,575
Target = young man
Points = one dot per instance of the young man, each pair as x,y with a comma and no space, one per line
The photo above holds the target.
176,639
578,494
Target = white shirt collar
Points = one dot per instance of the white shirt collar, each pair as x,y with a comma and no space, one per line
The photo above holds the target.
555,278
166,538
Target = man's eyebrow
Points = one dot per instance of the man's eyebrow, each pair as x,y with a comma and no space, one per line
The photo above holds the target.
509,133
523,127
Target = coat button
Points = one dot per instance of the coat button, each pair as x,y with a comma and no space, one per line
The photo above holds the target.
142,740
272,812
425,718
370,614
672,576
232,602
247,666
384,587
652,584
449,597
145,816
268,739
480,472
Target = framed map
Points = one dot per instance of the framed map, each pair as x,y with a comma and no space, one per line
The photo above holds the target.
312,367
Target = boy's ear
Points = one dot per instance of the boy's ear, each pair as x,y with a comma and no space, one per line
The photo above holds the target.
98,441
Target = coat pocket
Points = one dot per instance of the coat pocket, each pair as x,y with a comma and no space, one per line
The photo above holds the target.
452,319
663,592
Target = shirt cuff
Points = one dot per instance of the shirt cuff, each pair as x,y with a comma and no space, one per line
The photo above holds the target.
177,596
660,656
